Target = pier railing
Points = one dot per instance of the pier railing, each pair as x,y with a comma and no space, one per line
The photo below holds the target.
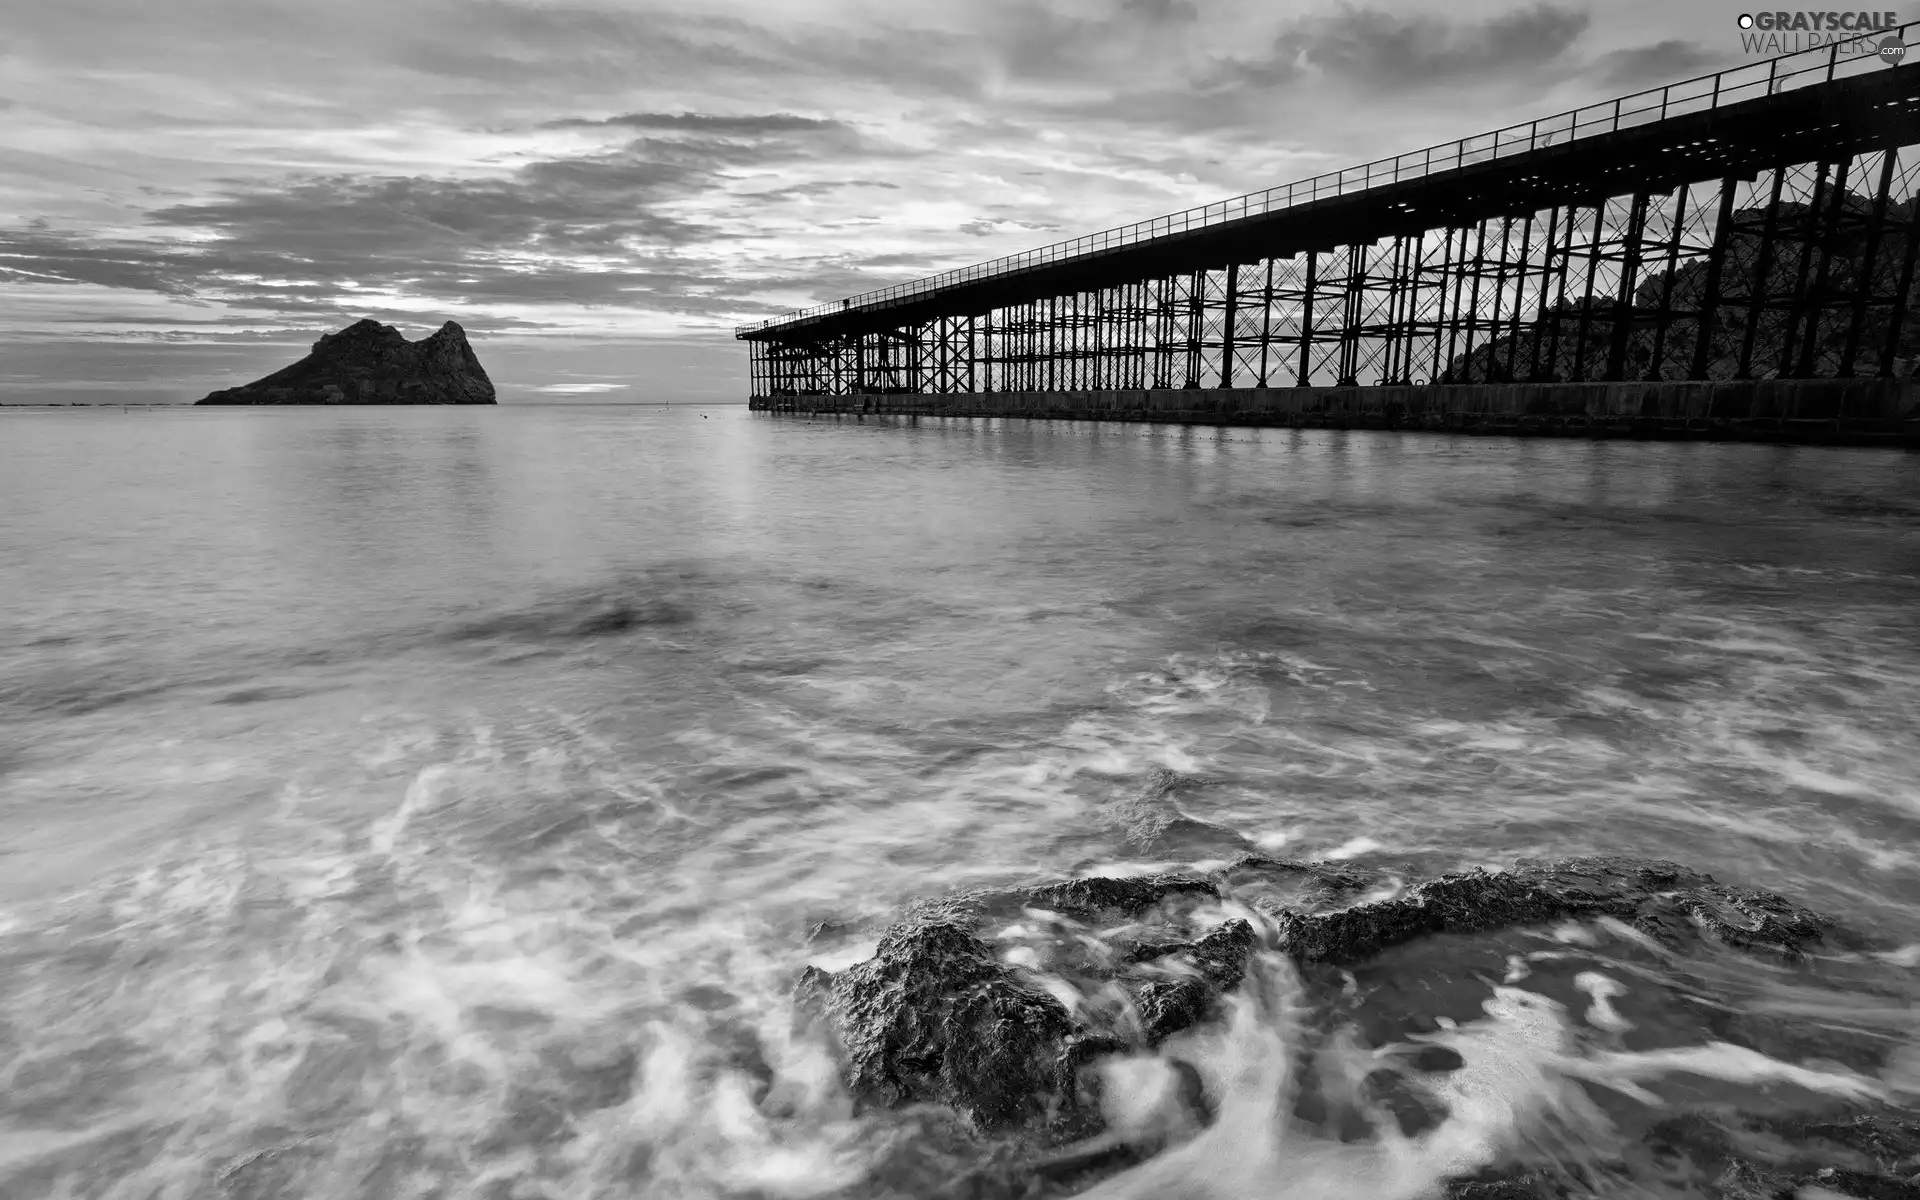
1703,93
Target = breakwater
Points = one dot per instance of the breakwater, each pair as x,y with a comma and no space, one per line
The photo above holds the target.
1814,411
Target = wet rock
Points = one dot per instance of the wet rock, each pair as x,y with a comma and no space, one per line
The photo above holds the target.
371,363
827,932
1167,1006
1743,1180
1097,901
1148,951
1106,900
1662,899
1753,920
933,1016
1519,1187
1222,954
811,992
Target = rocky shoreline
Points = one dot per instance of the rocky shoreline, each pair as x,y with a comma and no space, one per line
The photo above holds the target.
996,1007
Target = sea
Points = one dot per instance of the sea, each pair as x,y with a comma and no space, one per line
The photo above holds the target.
436,803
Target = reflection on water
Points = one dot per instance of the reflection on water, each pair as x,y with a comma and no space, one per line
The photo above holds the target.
409,804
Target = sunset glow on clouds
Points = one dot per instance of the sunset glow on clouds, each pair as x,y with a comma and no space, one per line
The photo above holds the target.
600,192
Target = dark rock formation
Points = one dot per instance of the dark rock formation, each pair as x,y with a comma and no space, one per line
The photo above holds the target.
1167,1006
1660,899
1112,899
960,1008
935,1015
371,363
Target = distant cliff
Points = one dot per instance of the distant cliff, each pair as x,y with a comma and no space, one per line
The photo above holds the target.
371,363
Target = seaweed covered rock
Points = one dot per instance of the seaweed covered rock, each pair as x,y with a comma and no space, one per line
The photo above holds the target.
1661,899
371,363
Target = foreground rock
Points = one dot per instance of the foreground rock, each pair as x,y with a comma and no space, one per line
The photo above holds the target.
962,1003
371,363
937,1015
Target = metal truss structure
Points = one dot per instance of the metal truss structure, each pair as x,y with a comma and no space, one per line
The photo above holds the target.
1739,232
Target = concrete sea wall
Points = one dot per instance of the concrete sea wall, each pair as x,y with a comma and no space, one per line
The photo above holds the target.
1817,411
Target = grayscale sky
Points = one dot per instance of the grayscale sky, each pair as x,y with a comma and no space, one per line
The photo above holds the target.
599,192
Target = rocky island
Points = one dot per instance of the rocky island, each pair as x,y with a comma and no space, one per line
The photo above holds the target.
371,363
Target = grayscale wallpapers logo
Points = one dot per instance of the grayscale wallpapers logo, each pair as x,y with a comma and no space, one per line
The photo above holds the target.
1849,33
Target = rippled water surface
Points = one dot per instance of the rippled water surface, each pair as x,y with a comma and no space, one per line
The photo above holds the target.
440,803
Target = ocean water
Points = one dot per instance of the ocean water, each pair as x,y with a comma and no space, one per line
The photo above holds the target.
440,803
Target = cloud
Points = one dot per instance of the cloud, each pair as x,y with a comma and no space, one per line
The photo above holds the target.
1651,66
703,122
1390,52
620,227
629,165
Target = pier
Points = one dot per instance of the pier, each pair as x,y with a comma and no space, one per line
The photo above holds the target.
1726,256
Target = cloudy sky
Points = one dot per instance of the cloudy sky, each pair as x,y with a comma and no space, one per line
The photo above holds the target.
599,190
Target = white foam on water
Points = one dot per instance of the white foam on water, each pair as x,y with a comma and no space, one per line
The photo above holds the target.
1508,1090
1626,932
1901,1074
1142,1100
1905,956
385,833
1573,933
1728,1063
528,897
845,956
1602,1014
1354,848
1386,889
